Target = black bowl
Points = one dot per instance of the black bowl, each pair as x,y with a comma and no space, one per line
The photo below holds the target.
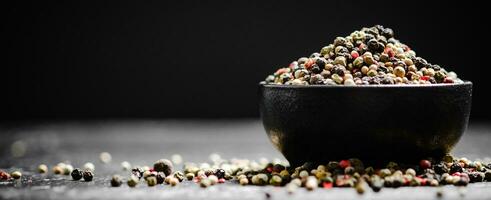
375,123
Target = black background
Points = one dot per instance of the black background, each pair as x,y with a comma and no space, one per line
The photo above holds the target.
176,59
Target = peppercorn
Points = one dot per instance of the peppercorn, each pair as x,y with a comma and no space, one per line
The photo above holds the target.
275,180
151,181
455,167
89,166
399,71
179,175
138,172
349,170
132,181
125,165
163,165
487,175
57,170
77,174
425,164
105,157
205,183
339,41
88,175
116,181
311,183
16,175
4,175
67,169
173,181
476,177
243,181
189,176
42,168
220,173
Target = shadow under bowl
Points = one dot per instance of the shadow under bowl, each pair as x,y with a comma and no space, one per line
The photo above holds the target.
375,123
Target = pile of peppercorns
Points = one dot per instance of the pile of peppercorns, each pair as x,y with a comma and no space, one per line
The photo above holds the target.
370,56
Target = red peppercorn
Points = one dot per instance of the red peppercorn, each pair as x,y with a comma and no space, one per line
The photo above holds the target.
425,78
222,180
309,64
4,175
354,54
344,163
389,52
423,181
425,164
448,80
456,174
281,71
327,185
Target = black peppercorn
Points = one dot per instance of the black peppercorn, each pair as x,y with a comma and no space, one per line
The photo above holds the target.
388,33
440,168
476,177
278,168
456,167
321,63
163,165
138,172
160,177
77,174
88,175
373,45
316,69
220,173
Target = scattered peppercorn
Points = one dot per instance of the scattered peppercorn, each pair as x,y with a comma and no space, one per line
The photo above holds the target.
42,168
88,175
105,157
151,181
77,174
163,165
16,175
116,181
132,181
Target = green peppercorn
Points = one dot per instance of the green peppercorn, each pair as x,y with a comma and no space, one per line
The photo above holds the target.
205,183
42,168
132,181
275,180
16,175
151,181
340,60
67,169
116,181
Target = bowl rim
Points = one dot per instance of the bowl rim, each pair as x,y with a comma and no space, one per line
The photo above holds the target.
438,85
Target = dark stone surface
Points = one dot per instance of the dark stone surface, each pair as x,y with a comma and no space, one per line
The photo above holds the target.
143,142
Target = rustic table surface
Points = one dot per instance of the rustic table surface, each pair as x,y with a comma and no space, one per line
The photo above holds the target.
143,142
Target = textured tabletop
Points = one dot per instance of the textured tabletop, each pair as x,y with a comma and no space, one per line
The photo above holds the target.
143,142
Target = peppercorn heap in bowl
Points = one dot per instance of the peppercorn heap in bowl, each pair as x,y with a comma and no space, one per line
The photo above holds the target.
390,105
365,57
